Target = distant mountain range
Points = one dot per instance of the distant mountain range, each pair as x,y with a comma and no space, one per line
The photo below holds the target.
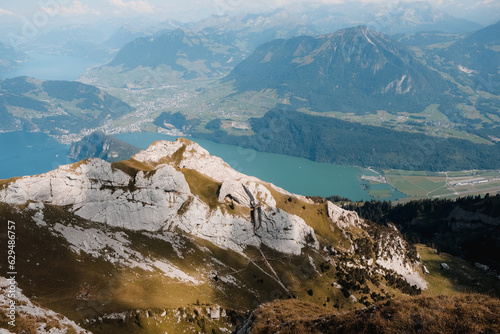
476,59
353,70
180,50
412,17
213,46
10,58
399,17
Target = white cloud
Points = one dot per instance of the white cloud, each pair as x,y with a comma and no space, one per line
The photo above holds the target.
75,9
138,6
5,12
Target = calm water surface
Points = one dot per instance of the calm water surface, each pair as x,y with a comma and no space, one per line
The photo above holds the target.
52,67
28,153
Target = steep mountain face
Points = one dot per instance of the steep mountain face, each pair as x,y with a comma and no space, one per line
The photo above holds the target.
57,107
99,145
475,59
182,51
177,240
352,70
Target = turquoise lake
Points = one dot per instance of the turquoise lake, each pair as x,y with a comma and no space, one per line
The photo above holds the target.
28,153
52,67
25,153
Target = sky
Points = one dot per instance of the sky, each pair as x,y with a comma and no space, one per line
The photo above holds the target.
191,10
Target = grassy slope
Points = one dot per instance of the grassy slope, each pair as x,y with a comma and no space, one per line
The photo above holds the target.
467,313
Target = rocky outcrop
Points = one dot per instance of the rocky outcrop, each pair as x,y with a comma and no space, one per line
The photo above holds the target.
343,218
241,190
185,154
392,255
99,145
159,198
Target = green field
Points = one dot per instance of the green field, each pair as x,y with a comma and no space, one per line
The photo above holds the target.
457,278
380,194
420,184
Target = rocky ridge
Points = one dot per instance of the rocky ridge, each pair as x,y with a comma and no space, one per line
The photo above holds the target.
159,199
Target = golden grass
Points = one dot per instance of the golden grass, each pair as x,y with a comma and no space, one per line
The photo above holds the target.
202,186
5,183
277,314
464,313
28,324
461,277
177,156
131,167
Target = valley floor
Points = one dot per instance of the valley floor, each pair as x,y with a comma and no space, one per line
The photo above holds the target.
421,184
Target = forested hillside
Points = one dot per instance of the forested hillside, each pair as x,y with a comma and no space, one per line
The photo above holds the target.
468,227
332,140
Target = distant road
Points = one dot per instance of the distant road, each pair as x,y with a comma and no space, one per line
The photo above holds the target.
497,189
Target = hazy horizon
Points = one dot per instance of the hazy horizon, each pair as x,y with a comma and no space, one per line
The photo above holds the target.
71,11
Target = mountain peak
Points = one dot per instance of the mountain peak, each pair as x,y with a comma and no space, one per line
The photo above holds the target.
161,148
348,71
184,153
